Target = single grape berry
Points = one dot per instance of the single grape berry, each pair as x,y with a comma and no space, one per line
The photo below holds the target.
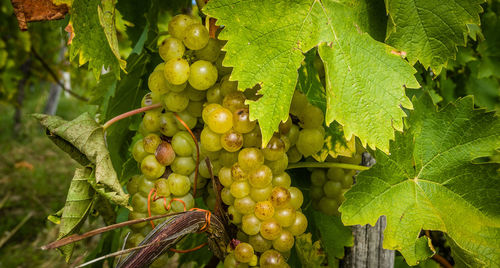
176,71
203,75
196,36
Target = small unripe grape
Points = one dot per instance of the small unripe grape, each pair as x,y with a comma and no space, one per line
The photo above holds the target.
299,103
228,159
231,141
299,225
250,224
293,155
293,135
159,67
158,205
284,242
316,192
183,143
285,216
234,216
335,174
210,140
138,151
157,82
332,188
214,95
225,177
210,52
318,177
133,215
237,173
286,141
261,194
280,197
231,262
252,138
310,141
176,71
145,186
139,203
171,48
226,196
220,120
244,205
161,187
151,142
187,118
176,102
250,158
134,240
234,100
279,166
264,210
175,88
347,181
150,98
133,184
241,121
270,229
208,110
240,189
194,94
274,150
243,252
196,36
282,180
272,258
259,243
178,206
296,197
151,168
195,109
260,177
184,165
165,154
178,184
178,24
151,121
203,75
168,124
311,117
228,86
328,206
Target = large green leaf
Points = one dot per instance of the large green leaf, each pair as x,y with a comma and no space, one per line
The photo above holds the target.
433,180
429,31
266,44
77,207
86,136
334,235
95,39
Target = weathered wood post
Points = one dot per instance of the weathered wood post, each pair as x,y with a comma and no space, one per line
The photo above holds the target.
367,250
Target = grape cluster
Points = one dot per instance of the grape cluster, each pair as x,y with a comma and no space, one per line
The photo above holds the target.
329,185
165,149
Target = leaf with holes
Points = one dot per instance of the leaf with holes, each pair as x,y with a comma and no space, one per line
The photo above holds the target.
435,179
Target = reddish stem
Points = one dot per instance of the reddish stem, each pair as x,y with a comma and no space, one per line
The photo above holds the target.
130,113
197,153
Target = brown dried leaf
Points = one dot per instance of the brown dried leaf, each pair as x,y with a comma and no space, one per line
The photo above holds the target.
37,10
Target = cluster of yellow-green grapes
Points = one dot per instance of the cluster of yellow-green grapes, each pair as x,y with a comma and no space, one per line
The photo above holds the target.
190,76
329,185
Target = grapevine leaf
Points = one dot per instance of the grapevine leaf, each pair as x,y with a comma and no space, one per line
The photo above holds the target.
429,31
266,42
77,207
90,43
88,138
425,184
310,254
334,235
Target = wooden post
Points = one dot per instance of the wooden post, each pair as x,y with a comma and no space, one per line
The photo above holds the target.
367,250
